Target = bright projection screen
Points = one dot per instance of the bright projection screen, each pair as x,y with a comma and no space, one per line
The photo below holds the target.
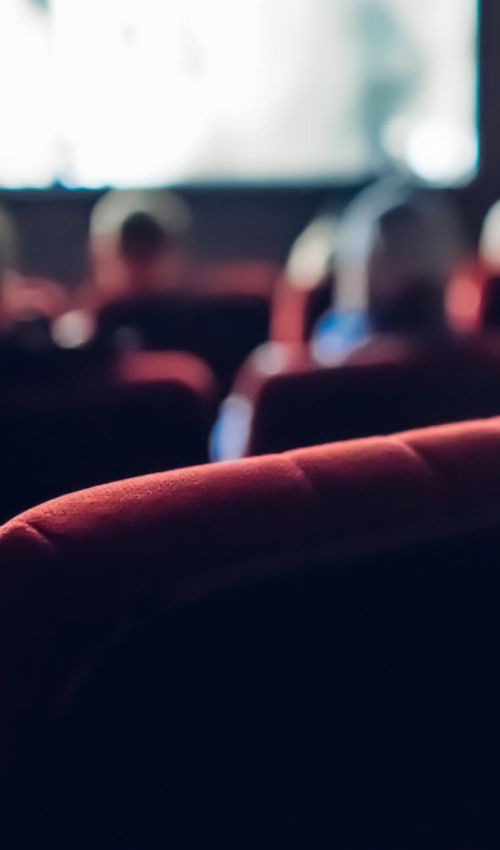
143,92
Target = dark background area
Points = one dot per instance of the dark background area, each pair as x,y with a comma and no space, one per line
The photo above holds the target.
258,222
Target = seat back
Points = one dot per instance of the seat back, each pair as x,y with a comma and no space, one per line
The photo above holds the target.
411,390
291,651
222,329
69,421
243,277
489,317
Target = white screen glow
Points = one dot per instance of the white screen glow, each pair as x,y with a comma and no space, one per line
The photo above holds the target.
145,92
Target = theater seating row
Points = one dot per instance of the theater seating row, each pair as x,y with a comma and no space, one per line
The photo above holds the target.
74,419
221,318
227,310
287,401
289,651
222,329
69,421
233,309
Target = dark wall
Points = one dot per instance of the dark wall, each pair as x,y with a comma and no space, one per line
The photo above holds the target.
228,223
249,222
51,227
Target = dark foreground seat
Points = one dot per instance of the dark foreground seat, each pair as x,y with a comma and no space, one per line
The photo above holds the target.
291,651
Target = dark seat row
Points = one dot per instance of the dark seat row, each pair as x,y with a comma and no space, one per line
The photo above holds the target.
222,329
70,420
302,404
74,419
290,651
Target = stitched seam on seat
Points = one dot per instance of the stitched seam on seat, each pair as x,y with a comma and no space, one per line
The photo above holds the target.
311,485
433,472
41,536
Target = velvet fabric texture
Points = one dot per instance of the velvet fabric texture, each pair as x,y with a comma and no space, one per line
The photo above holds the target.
83,562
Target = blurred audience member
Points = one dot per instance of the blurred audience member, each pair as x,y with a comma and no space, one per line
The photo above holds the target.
489,242
137,250
138,244
489,270
396,251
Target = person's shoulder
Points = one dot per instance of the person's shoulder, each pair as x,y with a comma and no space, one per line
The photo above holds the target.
336,333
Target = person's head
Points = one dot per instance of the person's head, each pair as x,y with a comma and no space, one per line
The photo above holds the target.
406,280
489,243
138,241
396,254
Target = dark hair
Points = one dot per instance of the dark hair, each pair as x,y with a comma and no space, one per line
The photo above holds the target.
414,301
417,308
143,237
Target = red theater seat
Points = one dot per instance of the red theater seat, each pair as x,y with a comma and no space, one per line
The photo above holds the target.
291,651
387,388
75,419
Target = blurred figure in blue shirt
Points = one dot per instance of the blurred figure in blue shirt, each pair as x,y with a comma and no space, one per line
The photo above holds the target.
397,248
395,251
